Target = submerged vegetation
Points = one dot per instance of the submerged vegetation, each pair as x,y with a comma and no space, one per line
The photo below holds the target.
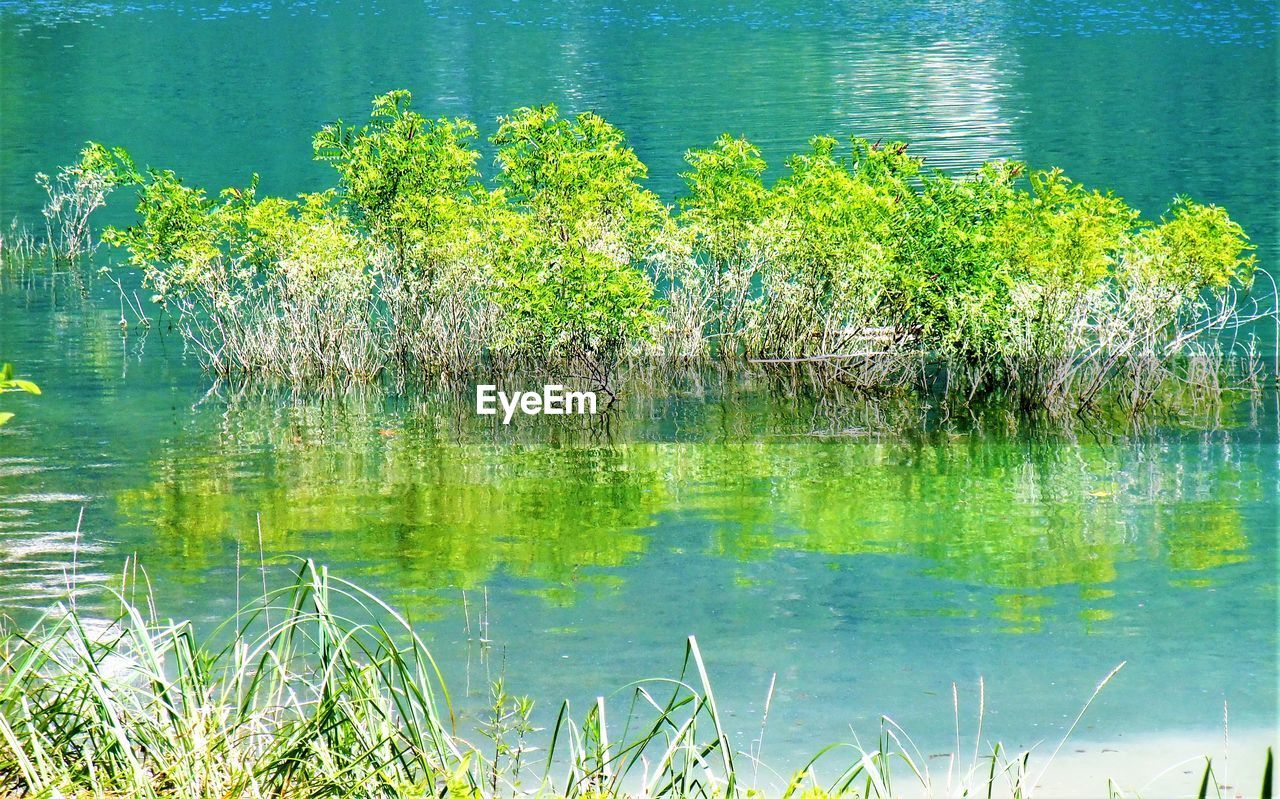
856,264
322,690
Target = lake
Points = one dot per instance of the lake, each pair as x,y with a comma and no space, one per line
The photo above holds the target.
868,555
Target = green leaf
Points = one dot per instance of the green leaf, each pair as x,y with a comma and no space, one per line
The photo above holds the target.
1204,782
1267,775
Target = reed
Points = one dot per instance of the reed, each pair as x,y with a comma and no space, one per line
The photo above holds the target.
17,246
319,689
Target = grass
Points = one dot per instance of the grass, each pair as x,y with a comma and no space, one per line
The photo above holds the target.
320,689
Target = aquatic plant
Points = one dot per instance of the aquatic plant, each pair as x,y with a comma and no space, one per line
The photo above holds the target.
9,383
568,279
76,192
321,689
855,263
17,245
708,264
832,283
270,286
412,185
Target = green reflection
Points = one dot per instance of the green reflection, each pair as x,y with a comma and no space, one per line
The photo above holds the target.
392,492
428,491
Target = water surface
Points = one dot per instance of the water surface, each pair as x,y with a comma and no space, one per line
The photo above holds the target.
869,566
868,554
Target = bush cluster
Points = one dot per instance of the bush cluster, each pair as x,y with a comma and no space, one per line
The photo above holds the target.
856,259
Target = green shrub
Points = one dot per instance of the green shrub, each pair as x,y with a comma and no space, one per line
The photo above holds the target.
1163,313
710,262
76,192
855,262
1196,247
271,286
1005,275
831,272
568,278
413,185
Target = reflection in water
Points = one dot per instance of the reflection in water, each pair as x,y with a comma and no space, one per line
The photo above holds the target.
425,490
792,534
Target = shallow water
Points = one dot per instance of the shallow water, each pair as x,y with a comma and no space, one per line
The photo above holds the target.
868,569
868,555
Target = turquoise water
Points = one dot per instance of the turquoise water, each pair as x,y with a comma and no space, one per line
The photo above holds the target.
868,566
868,555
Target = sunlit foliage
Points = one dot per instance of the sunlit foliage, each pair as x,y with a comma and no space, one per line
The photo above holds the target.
1005,281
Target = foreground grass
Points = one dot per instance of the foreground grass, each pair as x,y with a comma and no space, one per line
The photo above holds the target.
325,691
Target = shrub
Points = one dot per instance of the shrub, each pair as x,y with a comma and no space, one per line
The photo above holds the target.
412,183
273,286
1012,307
855,263
76,191
1162,315
1195,248
831,269
709,264
567,273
